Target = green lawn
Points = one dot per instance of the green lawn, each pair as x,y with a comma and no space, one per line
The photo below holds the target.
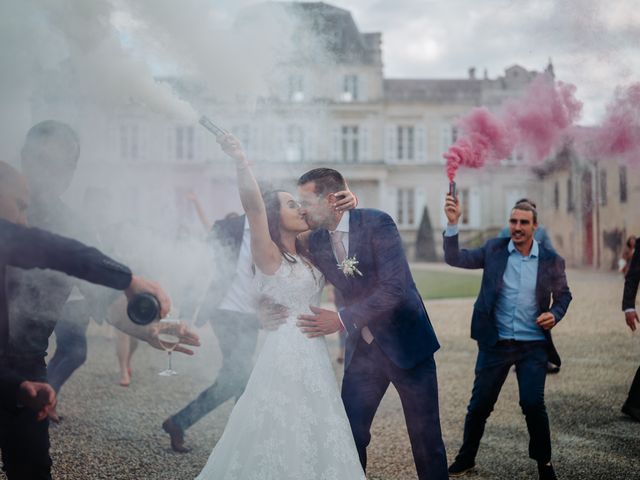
434,284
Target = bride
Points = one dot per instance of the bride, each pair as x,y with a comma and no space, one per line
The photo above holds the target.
290,422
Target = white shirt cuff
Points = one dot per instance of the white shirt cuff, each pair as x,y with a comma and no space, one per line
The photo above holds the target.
630,310
451,230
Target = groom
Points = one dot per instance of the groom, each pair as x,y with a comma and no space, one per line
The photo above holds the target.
390,338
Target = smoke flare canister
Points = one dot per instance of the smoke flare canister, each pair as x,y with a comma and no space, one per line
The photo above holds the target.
143,309
452,189
212,127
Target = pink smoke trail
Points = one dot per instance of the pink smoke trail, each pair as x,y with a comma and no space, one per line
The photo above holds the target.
536,123
618,136
485,138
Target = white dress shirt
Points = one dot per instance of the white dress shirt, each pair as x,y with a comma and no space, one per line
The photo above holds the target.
242,294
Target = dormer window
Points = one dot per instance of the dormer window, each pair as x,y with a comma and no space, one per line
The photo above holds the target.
296,88
349,88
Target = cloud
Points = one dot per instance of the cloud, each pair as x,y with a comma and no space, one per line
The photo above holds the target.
593,43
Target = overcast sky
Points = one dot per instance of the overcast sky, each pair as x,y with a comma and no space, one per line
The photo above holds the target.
594,44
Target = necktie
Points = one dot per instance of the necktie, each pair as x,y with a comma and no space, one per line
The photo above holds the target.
338,246
341,254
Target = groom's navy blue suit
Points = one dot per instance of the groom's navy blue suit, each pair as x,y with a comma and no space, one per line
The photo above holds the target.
385,299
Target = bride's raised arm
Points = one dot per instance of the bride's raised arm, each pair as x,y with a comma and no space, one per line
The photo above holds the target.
266,254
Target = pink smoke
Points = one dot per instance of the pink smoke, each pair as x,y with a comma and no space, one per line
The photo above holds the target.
619,134
536,123
485,138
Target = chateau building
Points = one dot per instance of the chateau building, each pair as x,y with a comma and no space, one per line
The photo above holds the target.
386,135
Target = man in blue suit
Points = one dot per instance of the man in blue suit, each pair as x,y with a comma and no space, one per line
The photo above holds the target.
390,338
511,322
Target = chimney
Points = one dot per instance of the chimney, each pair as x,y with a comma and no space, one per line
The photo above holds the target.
472,73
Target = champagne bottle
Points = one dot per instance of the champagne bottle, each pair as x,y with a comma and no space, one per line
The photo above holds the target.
143,309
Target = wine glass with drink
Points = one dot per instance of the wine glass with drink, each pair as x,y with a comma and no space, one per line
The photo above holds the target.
169,340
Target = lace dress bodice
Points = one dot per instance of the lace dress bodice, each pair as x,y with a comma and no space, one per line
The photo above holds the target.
294,285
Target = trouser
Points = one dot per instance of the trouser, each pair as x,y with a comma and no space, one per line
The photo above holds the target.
237,335
24,441
492,367
633,399
71,343
365,382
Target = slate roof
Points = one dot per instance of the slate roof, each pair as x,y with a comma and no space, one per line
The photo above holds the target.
333,25
432,90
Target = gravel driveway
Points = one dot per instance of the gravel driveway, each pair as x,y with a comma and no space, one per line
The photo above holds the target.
111,432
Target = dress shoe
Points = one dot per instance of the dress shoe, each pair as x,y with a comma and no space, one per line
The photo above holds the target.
176,434
632,412
546,472
552,368
461,467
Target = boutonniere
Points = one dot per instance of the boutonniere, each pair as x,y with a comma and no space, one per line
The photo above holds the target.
349,267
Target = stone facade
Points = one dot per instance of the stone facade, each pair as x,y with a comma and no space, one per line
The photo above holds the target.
386,135
589,208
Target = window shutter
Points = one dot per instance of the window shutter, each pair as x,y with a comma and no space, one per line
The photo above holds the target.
474,207
391,143
391,203
421,201
421,144
363,94
335,143
309,133
445,142
365,142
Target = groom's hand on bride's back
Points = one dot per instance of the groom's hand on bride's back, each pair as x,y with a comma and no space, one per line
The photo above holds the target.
321,322
271,314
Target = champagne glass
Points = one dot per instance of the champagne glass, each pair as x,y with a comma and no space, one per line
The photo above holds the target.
168,340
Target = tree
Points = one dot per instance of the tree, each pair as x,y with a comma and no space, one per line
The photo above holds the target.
425,245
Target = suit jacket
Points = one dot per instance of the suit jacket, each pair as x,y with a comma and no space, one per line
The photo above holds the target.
28,248
9,385
493,257
385,297
631,281
225,239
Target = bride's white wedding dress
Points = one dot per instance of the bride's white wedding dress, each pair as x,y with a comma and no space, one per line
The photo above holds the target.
290,422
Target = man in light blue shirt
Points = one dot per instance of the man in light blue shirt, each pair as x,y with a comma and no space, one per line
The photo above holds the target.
516,304
542,238
511,322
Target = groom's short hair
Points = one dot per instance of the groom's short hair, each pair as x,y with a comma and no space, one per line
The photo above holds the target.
327,180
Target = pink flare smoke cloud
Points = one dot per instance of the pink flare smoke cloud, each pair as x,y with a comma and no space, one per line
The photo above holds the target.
618,136
535,123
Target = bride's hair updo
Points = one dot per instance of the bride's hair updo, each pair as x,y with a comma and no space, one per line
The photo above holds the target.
272,205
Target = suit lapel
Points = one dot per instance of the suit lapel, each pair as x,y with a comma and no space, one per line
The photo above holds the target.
543,270
501,265
355,231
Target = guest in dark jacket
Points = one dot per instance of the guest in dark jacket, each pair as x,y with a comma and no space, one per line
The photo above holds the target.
632,406
24,436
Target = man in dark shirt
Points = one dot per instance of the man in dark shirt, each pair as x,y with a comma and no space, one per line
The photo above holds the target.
49,159
24,439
